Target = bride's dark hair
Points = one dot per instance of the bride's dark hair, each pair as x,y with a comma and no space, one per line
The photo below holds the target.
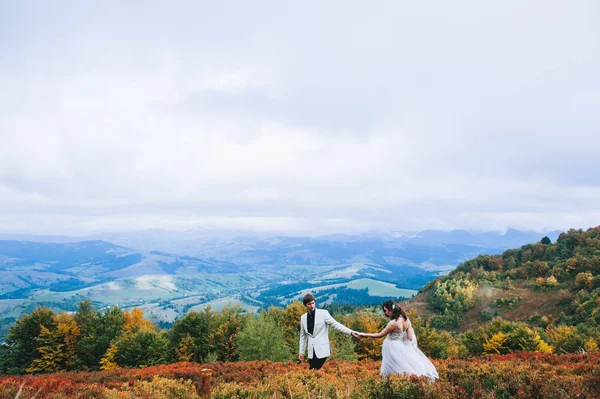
397,311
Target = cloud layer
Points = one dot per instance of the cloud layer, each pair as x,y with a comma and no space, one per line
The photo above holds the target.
312,118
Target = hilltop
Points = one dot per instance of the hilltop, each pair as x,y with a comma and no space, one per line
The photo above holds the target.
542,283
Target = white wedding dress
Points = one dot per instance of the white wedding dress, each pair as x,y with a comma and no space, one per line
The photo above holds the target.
402,355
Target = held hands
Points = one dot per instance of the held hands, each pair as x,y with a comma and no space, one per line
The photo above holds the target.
356,334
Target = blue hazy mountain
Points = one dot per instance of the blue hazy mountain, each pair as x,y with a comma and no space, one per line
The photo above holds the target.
196,241
512,238
118,250
60,258
26,266
168,273
68,265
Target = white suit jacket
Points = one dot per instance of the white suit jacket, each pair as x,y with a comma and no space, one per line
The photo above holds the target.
318,341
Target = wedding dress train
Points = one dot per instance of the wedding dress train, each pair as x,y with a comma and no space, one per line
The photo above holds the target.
402,355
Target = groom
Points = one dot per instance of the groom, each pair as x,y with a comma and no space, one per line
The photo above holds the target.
314,325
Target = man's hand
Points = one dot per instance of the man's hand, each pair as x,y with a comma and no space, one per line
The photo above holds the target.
356,335
301,357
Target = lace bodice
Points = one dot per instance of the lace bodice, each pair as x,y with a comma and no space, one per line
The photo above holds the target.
398,334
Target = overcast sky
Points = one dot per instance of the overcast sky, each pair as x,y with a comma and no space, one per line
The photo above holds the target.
308,117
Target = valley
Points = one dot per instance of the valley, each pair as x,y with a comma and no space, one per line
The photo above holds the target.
252,271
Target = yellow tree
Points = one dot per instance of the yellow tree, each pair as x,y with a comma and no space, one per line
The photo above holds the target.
542,346
591,345
229,323
559,335
290,322
366,348
109,360
57,351
185,350
571,265
273,314
585,280
495,344
540,282
552,282
134,321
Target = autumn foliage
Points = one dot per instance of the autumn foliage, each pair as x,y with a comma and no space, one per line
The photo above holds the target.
523,375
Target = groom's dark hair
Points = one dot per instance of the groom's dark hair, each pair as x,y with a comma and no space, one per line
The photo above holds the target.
308,298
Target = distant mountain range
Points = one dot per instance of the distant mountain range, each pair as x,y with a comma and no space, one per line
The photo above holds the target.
63,263
224,244
145,267
27,266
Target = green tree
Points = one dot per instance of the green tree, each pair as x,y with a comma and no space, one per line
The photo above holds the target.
260,339
546,241
342,346
110,328
141,349
22,343
507,285
584,280
228,324
201,326
454,295
90,347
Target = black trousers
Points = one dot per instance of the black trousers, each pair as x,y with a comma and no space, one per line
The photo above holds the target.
315,363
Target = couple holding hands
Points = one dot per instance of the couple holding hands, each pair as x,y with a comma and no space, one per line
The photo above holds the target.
400,353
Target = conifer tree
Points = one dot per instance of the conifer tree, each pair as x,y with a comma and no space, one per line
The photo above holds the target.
89,348
198,325
22,342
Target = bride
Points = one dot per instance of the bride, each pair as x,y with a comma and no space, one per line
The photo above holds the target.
400,352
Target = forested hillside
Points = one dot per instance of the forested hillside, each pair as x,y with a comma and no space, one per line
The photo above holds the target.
551,288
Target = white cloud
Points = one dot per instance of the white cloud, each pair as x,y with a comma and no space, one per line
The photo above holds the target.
397,116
